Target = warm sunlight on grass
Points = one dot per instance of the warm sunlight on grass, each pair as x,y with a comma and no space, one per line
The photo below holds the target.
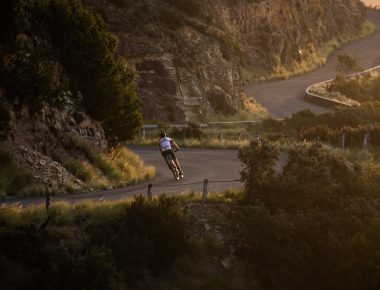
116,167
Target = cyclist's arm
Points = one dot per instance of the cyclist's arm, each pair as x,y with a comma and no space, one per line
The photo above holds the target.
174,145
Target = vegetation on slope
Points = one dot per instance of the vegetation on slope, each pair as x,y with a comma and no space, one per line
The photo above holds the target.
54,49
16,181
100,170
314,225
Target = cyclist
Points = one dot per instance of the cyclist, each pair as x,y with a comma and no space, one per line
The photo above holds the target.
166,145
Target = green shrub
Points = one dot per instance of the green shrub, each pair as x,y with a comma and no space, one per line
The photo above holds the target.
366,114
354,135
87,53
77,169
92,154
146,240
272,125
352,89
191,131
35,259
312,224
16,181
36,50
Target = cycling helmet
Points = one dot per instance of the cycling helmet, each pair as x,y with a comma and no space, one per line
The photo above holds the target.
162,134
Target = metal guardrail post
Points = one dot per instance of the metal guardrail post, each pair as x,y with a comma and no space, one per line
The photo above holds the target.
150,185
205,191
47,205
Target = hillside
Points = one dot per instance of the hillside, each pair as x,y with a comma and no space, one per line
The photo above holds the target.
64,95
73,77
192,56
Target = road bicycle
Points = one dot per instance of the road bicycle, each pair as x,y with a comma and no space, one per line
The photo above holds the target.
173,167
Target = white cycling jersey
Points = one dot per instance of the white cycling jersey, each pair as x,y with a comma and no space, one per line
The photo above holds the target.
165,144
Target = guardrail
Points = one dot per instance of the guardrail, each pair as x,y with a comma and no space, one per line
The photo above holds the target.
101,197
309,96
205,125
328,102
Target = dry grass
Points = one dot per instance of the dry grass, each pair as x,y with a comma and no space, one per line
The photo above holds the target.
128,167
116,167
212,143
252,111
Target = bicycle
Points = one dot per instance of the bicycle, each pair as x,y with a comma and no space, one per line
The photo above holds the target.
173,167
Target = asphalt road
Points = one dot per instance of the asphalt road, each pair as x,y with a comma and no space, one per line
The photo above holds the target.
222,167
197,164
285,97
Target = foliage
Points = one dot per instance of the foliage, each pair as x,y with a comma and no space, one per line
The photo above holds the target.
77,168
366,114
191,131
347,64
150,236
310,225
259,159
87,52
121,246
118,166
361,89
354,135
35,259
16,181
48,47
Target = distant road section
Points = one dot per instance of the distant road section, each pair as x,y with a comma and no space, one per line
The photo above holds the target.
285,97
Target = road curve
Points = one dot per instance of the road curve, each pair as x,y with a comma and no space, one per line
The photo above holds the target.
198,164
285,97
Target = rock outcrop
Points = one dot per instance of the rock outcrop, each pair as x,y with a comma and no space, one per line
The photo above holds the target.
39,142
190,55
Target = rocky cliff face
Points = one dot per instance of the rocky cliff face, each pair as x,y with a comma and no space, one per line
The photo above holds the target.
40,143
190,54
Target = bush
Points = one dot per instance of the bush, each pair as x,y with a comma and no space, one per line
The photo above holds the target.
103,246
77,169
311,225
87,53
34,52
147,239
16,181
91,153
354,135
191,131
35,259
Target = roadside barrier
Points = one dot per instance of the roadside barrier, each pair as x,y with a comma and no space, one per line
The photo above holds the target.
101,197
327,102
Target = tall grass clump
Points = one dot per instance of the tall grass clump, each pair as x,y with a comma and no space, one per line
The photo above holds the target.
16,181
115,167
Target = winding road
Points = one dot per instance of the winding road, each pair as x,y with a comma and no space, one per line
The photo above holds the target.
285,97
222,167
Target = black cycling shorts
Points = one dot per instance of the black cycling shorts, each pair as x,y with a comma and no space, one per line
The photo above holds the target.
169,152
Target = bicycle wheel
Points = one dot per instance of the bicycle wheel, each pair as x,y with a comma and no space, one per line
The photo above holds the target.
174,170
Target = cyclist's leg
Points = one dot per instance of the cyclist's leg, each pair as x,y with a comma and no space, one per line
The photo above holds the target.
164,154
177,163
